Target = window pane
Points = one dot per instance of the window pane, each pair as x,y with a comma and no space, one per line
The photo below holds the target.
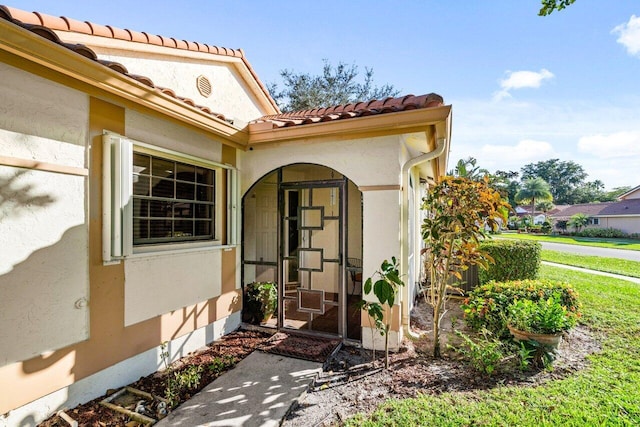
204,194
141,163
162,168
185,190
202,211
162,188
140,185
140,208
140,229
159,228
183,228
183,210
185,172
204,176
203,228
160,208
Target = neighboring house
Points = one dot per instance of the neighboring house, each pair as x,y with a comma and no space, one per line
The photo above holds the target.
623,215
634,193
523,211
145,179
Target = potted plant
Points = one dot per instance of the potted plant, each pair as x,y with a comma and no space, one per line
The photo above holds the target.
543,321
261,301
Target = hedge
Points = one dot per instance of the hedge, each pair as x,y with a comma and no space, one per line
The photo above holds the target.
486,306
514,260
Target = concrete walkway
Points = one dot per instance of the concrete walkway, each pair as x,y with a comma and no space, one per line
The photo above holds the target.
600,273
259,391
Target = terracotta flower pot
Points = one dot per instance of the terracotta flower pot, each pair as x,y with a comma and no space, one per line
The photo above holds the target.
551,340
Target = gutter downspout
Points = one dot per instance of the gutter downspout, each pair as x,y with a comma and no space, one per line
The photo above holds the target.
406,169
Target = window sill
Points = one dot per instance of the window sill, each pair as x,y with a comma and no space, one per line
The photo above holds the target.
173,249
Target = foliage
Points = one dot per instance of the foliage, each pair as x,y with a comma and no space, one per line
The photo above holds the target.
546,226
336,85
261,301
507,184
578,221
541,317
610,265
459,211
487,306
606,393
603,232
548,6
534,189
513,260
545,206
628,244
221,364
484,353
385,289
176,381
467,168
562,224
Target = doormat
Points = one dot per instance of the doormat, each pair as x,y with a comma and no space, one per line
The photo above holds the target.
315,349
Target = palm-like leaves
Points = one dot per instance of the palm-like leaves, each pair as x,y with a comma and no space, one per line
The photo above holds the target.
532,190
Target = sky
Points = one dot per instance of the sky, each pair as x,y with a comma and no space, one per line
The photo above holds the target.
523,88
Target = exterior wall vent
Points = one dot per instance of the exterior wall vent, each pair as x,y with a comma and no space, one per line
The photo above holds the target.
204,86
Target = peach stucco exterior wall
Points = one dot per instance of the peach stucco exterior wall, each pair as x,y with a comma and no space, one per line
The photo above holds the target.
109,341
628,224
42,218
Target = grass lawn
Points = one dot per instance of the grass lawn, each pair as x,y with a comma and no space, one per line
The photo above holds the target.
610,265
606,393
630,244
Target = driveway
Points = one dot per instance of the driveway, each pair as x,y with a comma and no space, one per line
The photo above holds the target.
590,250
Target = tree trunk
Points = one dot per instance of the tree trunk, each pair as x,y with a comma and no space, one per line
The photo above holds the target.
436,329
386,346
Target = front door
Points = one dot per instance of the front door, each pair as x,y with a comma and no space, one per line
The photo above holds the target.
312,274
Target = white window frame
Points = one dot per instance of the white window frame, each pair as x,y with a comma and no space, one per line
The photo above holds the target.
117,218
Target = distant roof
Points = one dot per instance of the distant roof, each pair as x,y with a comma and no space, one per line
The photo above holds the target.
633,190
352,110
623,207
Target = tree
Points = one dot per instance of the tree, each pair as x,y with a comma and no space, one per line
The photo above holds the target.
532,190
563,178
548,6
578,221
590,192
335,86
467,168
458,211
545,206
507,184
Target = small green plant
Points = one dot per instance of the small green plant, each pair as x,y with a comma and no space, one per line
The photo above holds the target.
534,354
220,364
177,381
513,260
541,317
261,301
484,354
385,289
525,354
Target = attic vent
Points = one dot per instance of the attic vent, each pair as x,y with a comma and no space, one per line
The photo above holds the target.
204,86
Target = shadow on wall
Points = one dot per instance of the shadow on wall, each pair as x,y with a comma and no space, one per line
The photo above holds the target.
16,196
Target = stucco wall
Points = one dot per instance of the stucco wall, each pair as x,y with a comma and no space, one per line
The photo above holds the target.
628,224
366,161
230,96
44,279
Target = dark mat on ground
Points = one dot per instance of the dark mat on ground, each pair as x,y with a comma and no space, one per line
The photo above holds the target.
315,349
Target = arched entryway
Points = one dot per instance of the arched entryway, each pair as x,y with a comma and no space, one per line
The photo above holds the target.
302,229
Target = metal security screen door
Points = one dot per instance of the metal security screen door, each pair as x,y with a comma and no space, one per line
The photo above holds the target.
311,242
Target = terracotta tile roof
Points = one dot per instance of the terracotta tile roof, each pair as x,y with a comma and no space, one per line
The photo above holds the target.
14,15
63,23
348,111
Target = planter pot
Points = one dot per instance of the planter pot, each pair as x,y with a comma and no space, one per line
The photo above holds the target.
551,340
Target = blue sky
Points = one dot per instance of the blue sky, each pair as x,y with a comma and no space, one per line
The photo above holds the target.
524,88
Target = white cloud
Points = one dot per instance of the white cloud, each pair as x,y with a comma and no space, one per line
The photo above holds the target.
520,80
615,145
629,35
505,156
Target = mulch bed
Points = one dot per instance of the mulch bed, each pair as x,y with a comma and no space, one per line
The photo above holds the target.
232,347
315,349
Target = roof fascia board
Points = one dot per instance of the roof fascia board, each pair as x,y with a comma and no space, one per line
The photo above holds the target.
239,63
375,125
34,48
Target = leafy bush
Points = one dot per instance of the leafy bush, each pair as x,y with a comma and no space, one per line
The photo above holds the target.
542,317
513,260
483,354
602,232
487,306
260,302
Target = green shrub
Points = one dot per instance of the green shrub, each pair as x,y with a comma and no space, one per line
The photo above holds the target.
602,232
484,353
514,260
488,305
542,317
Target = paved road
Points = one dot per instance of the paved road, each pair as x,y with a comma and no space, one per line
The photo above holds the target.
590,250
